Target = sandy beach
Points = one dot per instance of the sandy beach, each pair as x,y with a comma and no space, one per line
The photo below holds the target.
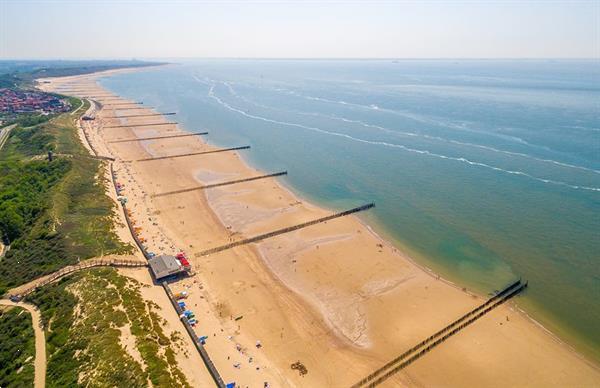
333,296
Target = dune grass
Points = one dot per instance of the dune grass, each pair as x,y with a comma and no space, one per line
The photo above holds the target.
52,213
84,315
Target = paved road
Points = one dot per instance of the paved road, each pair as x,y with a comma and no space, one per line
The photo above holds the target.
40,341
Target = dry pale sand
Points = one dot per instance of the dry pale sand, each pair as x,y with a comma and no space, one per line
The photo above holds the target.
333,296
187,357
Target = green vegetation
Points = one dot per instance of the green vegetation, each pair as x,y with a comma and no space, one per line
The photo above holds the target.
85,315
17,348
31,119
53,214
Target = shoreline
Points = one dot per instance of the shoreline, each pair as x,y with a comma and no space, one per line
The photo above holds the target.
389,241
316,208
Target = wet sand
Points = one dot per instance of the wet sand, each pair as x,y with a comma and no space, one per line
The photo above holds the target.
333,296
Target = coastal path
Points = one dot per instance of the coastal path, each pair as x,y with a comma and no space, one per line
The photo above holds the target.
82,101
39,380
4,132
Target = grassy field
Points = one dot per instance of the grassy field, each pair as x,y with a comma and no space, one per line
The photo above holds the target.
85,315
17,348
52,214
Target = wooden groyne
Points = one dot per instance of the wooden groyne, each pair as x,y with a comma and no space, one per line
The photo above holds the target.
284,230
67,89
145,115
139,125
134,108
425,346
77,88
190,154
125,103
75,268
212,369
88,92
220,184
158,137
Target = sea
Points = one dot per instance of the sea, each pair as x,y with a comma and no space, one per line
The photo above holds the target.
484,171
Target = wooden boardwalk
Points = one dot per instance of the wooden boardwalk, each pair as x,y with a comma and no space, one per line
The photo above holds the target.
75,268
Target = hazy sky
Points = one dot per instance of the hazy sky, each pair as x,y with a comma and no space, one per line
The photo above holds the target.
399,29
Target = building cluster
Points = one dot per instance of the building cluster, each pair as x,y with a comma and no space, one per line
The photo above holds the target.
15,101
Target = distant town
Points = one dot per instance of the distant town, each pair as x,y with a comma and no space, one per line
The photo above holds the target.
15,101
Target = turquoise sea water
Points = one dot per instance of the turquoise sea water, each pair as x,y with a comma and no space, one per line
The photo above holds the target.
484,171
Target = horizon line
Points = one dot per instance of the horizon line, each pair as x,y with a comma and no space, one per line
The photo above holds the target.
142,59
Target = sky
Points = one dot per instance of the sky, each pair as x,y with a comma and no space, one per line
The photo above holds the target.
94,29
